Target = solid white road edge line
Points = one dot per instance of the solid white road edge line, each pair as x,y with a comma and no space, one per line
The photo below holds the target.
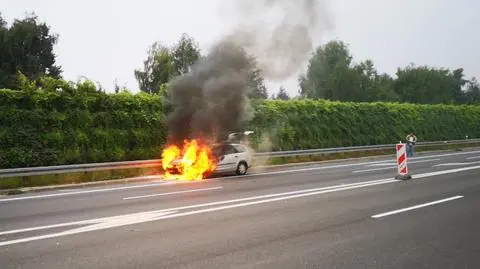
171,193
409,162
416,207
84,192
143,217
374,169
455,164
252,175
390,166
445,172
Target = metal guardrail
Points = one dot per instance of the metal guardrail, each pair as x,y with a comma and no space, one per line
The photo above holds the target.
43,170
359,148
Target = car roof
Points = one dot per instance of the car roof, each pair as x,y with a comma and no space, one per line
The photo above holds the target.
227,144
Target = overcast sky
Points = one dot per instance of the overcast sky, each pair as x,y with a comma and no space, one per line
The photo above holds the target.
106,40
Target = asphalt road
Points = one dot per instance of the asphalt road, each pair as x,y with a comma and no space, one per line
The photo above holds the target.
349,214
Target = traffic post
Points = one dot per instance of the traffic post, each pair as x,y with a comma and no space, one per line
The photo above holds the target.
402,163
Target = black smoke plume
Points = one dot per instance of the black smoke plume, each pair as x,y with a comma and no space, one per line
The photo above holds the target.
211,101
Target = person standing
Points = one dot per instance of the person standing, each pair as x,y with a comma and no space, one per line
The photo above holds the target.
411,141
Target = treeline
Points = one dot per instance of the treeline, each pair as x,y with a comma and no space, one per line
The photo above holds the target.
27,46
54,122
333,75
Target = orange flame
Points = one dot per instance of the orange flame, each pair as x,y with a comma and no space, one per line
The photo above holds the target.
192,162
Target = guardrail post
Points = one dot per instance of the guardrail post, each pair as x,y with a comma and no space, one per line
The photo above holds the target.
402,163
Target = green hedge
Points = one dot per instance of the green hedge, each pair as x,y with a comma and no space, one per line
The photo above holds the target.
307,124
78,124
65,123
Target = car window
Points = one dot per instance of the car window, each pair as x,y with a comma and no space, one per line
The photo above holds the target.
230,150
218,151
240,148
223,150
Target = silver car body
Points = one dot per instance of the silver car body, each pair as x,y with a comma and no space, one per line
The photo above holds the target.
231,156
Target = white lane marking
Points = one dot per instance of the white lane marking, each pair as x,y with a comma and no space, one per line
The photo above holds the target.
425,161
444,172
201,205
444,155
106,223
252,175
171,213
374,169
473,158
391,166
416,207
171,193
381,164
85,192
176,182
357,164
296,194
409,162
455,164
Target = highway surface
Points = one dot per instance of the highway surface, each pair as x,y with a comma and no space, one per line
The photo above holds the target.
349,214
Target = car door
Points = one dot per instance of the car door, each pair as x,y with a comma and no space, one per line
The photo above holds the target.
243,154
230,157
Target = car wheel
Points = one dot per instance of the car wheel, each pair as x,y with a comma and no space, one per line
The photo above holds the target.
242,168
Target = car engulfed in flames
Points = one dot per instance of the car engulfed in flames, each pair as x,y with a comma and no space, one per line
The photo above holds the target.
194,161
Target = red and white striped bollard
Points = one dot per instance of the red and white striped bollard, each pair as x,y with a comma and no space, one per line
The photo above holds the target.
402,162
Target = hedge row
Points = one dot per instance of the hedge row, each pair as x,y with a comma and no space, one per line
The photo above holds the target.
307,124
78,124
65,124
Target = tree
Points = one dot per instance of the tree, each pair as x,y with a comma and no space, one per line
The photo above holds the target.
185,53
116,87
282,94
472,93
372,86
428,85
158,69
257,89
384,89
26,47
164,63
458,82
327,73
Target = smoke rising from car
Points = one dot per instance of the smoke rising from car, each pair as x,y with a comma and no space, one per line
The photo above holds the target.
281,33
212,100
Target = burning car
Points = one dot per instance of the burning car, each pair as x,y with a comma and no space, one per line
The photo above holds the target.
198,160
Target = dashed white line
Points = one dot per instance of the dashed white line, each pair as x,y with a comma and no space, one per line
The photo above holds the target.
416,207
473,158
171,193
